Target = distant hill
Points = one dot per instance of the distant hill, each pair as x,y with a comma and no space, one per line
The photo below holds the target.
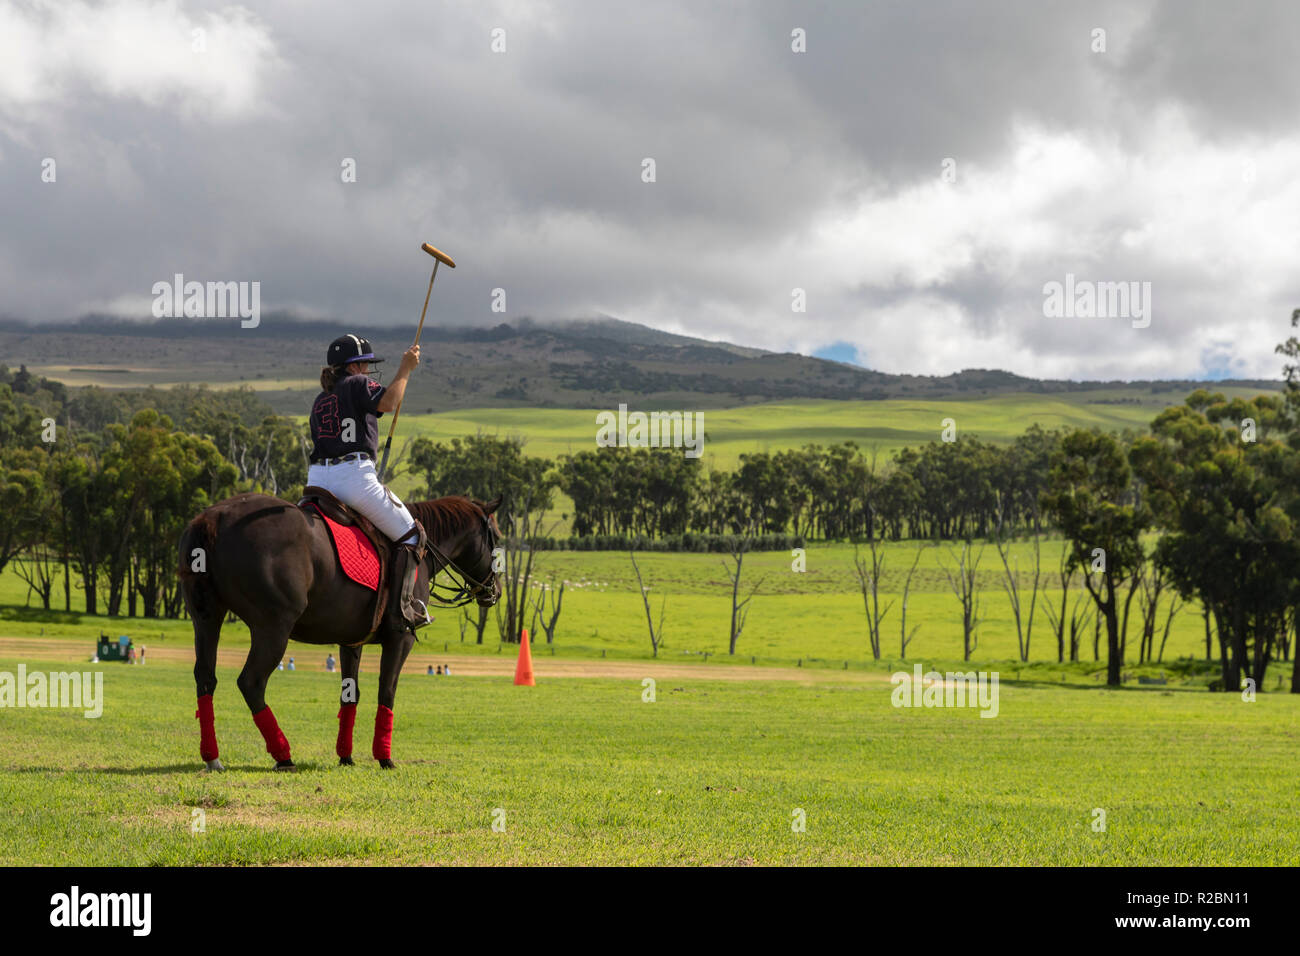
581,363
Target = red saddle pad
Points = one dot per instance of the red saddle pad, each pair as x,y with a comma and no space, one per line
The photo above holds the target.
357,556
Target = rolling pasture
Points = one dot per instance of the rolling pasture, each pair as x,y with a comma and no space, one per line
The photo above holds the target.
884,426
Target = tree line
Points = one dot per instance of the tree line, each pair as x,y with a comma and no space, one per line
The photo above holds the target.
942,490
96,486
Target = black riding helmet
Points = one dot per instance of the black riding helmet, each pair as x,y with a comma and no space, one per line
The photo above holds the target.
350,348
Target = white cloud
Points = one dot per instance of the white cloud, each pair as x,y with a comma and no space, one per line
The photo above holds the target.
1219,247
210,64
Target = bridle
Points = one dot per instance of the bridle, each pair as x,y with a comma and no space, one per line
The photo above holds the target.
463,588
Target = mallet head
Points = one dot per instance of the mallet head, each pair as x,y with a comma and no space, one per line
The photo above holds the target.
437,254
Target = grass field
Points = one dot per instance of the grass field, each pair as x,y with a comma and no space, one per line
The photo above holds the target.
711,772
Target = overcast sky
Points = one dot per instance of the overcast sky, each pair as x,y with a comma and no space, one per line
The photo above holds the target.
1171,157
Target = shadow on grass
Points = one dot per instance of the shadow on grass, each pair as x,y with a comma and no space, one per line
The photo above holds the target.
16,612
38,615
195,767
1102,685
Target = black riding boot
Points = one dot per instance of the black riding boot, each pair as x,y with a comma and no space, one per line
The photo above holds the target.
406,609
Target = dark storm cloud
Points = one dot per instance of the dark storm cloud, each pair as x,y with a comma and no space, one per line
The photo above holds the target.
1233,66
775,170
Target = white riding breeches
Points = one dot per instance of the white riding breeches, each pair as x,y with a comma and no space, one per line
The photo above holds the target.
356,484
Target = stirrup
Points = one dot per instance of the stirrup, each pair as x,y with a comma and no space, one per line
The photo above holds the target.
428,618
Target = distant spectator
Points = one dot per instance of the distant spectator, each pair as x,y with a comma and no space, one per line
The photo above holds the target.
130,653
329,662
281,666
430,670
439,670
142,650
446,669
291,667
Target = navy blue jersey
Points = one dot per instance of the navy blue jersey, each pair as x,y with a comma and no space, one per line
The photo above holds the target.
355,399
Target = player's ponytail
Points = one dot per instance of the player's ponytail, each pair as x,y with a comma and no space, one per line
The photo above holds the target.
331,375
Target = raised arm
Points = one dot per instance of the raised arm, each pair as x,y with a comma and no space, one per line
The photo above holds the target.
393,395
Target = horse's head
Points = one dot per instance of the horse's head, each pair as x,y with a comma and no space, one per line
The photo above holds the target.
462,534
479,563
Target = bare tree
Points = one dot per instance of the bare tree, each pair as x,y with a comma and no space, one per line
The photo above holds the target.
739,610
869,584
38,568
479,621
1011,584
399,459
965,585
656,630
548,595
1175,606
1154,583
1083,610
519,546
1071,621
1056,619
1134,586
904,636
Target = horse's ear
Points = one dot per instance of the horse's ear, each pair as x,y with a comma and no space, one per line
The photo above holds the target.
492,505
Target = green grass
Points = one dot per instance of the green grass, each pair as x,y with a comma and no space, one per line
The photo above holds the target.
710,773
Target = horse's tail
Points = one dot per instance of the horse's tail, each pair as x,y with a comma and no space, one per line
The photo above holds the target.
195,553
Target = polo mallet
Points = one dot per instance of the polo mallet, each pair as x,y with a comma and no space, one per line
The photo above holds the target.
438,256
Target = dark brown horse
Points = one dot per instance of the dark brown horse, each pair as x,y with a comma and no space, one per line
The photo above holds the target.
274,566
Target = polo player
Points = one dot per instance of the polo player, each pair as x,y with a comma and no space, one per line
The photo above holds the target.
345,436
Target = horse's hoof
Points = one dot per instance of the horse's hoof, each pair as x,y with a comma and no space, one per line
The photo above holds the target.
214,765
387,764
345,761
287,766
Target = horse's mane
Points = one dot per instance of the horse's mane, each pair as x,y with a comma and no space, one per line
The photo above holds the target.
445,517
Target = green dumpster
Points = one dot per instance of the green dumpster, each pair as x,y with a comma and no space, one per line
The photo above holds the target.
110,650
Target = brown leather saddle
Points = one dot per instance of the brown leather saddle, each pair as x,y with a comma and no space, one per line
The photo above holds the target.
335,510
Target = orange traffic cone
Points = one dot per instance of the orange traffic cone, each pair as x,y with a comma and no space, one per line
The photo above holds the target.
524,667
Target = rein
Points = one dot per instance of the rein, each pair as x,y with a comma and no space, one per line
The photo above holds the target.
469,587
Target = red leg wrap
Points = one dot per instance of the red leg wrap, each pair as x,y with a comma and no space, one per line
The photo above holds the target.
383,746
347,718
207,729
276,745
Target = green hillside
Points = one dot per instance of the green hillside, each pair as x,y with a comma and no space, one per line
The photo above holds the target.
883,425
